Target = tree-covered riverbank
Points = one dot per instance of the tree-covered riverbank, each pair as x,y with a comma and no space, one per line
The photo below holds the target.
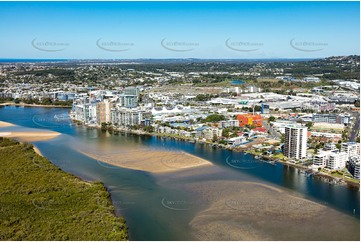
38,201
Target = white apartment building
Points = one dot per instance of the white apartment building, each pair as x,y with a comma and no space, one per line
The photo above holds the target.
337,161
332,159
229,123
351,148
236,140
320,160
84,112
210,132
125,117
295,141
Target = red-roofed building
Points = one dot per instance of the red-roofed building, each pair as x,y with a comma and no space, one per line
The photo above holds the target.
244,119
260,130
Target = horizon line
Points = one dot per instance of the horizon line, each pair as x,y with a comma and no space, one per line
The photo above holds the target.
185,58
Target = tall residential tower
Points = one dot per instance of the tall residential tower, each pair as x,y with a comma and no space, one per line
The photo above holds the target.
295,141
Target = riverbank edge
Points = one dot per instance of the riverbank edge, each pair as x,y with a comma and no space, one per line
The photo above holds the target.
33,105
336,180
321,175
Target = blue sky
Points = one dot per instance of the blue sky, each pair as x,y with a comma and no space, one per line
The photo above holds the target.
127,30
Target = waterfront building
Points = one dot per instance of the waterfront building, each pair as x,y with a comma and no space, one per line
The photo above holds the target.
353,166
208,132
126,117
332,159
84,111
295,141
337,161
236,140
212,132
351,148
103,112
199,131
320,159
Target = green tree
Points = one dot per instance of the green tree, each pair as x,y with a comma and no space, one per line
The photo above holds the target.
282,138
103,126
214,118
225,132
215,138
149,129
309,125
223,142
271,119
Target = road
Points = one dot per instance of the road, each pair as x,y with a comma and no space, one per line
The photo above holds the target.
356,128
273,132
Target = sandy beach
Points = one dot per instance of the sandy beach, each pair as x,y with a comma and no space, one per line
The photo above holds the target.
150,160
254,211
5,124
30,136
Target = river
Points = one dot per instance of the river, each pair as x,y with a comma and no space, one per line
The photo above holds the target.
166,206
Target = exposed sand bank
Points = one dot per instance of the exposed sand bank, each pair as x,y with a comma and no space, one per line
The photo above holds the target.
150,160
30,136
254,211
5,124
37,150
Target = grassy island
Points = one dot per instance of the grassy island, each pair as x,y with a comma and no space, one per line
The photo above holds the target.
39,201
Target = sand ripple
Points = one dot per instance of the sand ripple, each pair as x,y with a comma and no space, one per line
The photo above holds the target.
254,211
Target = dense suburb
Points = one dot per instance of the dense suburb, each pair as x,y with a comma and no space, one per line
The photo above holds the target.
38,201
